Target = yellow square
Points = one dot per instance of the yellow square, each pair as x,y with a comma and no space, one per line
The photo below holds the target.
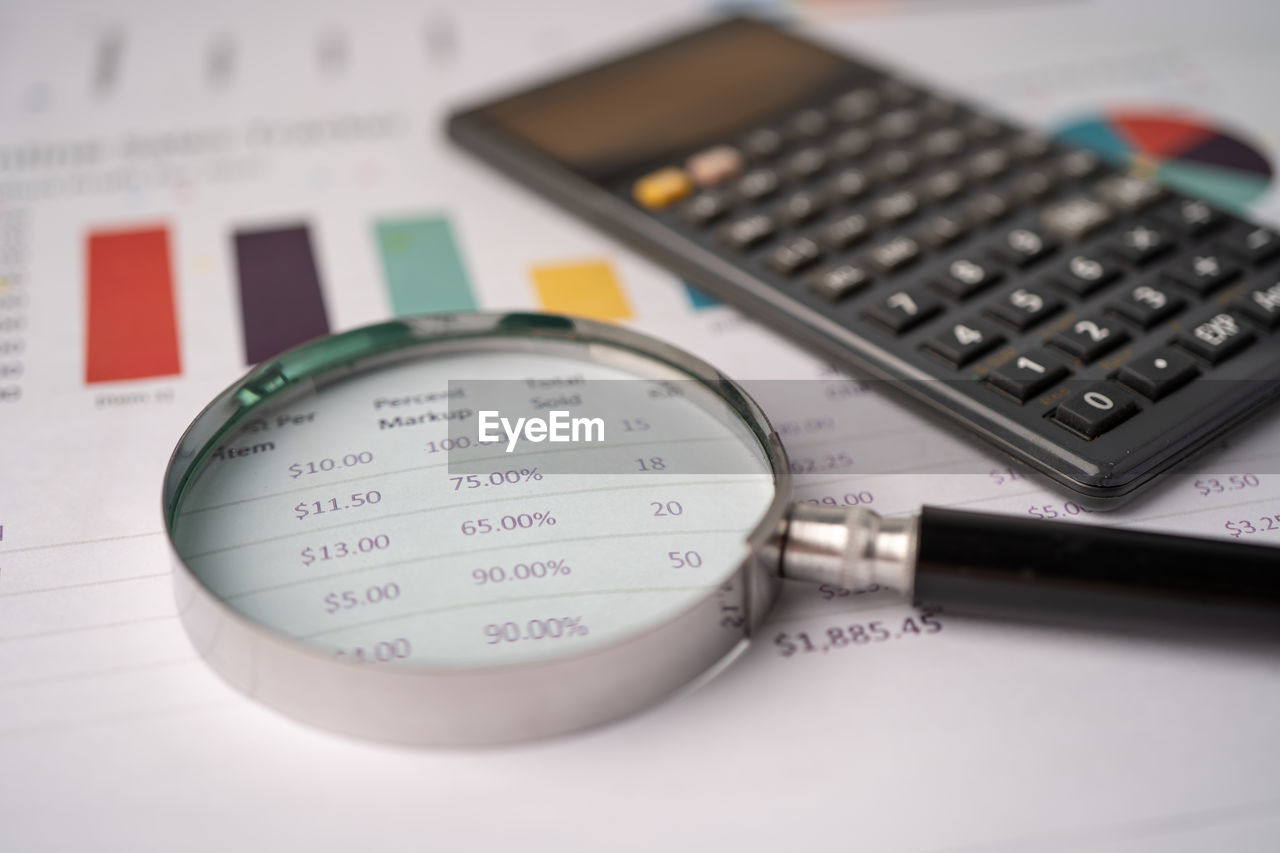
587,289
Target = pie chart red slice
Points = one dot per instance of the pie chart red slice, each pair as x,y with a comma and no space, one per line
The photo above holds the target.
1158,136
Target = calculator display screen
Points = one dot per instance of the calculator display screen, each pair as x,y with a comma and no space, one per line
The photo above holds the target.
610,121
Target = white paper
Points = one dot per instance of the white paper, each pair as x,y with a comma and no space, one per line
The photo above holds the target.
113,735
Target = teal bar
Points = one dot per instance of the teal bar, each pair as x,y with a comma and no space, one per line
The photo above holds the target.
424,271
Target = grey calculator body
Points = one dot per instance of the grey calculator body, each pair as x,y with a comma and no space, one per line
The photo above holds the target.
1094,326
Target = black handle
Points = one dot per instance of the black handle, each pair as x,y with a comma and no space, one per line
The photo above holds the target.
1003,565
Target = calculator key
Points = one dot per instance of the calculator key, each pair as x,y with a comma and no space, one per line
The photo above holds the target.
1190,216
808,124
1101,407
857,105
1217,338
1075,217
846,231
1141,243
988,163
1078,164
1158,374
852,143
758,184
1128,193
1147,304
762,144
801,206
983,127
1262,305
1083,273
806,163
836,283
960,343
942,185
794,255
897,92
894,254
1090,339
940,144
904,310
940,109
748,231
848,184
894,165
965,276
1025,307
896,206
705,207
898,124
988,206
1023,246
1030,146
943,229
715,165
1034,184
1029,374
661,188
1203,272
1250,243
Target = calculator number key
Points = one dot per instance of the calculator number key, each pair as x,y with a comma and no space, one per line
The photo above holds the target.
965,276
1024,246
1028,374
1024,307
960,343
1101,407
904,310
1082,274
1147,304
1089,339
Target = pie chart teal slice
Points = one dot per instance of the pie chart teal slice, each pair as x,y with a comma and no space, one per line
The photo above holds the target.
1101,137
1223,186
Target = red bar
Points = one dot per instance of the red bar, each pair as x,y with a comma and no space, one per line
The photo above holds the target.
132,330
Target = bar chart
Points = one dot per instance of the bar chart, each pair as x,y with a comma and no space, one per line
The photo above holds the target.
132,330
424,271
281,303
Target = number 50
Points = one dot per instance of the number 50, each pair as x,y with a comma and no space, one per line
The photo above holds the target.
679,560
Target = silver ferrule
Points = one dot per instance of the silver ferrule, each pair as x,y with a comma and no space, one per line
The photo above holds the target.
850,547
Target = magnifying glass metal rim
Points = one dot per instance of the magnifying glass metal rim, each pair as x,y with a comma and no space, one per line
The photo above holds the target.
426,705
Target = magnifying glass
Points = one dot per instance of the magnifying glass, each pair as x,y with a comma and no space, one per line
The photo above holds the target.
485,528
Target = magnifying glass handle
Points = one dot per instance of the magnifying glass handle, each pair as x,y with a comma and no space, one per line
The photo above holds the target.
1018,567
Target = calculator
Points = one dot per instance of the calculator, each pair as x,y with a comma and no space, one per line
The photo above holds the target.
1091,323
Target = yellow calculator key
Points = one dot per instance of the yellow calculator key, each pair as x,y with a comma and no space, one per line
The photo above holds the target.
659,189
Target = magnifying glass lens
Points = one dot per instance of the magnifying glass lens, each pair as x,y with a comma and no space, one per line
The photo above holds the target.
371,516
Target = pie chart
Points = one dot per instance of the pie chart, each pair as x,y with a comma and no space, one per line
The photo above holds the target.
1182,151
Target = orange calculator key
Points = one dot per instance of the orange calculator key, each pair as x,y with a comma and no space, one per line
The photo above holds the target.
659,189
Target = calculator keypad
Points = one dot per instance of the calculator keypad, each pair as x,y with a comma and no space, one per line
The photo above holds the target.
1063,288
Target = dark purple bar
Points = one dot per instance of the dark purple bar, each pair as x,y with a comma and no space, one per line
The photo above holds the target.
280,300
